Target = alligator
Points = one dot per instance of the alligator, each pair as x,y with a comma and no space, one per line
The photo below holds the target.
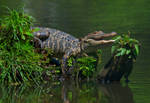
66,44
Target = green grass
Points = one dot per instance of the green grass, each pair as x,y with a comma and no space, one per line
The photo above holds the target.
18,61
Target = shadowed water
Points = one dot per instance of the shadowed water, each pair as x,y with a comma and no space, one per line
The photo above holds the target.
79,17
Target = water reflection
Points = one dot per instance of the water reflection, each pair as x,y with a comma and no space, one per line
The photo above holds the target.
117,93
67,92
91,93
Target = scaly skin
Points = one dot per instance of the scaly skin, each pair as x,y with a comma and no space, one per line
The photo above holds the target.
63,43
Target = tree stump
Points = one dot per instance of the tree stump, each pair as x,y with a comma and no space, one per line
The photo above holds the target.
116,68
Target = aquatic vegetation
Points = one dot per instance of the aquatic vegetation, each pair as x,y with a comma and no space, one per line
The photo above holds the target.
87,66
18,61
124,45
83,67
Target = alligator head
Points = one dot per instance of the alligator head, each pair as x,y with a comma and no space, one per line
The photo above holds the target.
96,38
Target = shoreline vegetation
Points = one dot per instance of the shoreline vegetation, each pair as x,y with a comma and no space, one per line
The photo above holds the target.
22,62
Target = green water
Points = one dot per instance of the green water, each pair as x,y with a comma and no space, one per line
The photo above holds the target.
79,17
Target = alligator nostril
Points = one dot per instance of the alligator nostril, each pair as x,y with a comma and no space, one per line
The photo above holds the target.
114,33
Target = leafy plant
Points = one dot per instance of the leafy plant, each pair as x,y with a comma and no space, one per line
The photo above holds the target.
16,26
87,65
18,61
124,45
70,61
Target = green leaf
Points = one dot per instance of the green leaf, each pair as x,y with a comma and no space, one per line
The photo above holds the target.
23,37
123,51
119,50
128,52
118,54
116,38
99,51
130,57
137,49
36,29
29,34
113,49
20,30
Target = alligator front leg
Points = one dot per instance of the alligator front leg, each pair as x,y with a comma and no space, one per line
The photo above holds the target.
64,61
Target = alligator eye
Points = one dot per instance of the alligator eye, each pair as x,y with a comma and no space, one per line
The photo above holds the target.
38,34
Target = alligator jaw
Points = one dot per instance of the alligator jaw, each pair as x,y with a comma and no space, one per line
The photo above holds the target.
97,38
99,35
95,42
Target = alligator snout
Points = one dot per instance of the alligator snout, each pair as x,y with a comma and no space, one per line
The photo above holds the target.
113,33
